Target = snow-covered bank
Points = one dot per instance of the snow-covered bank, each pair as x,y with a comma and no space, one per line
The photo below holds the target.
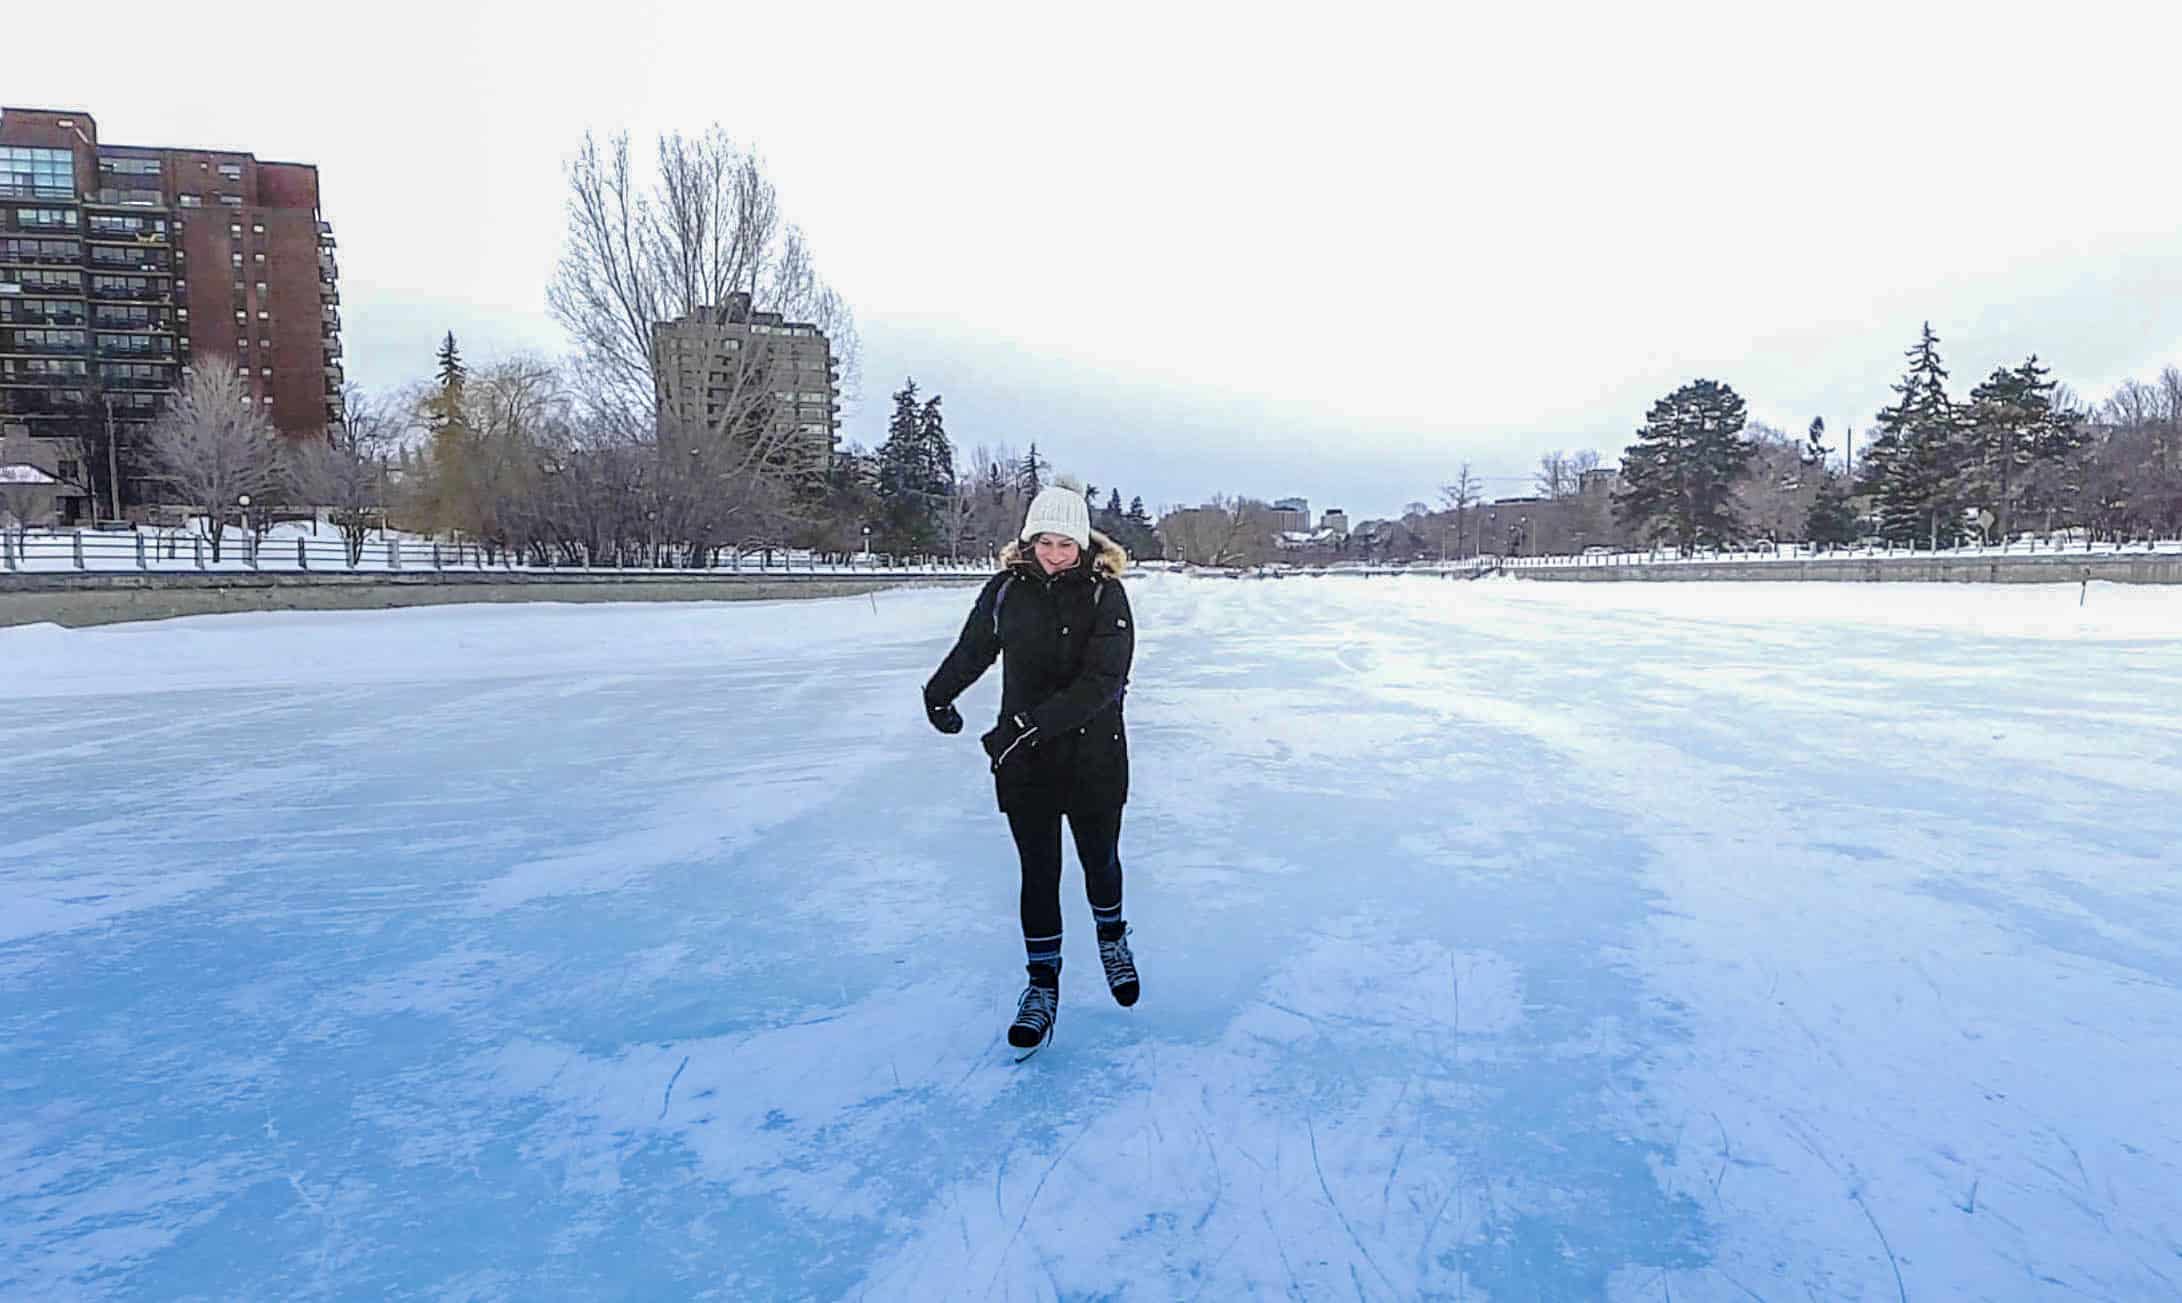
1500,939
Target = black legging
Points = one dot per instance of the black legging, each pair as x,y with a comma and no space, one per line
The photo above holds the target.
1098,847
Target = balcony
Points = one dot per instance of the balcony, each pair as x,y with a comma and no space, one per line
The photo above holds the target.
118,353
113,197
41,259
137,383
11,224
40,349
129,325
117,261
325,235
35,284
41,402
153,294
131,239
327,293
333,349
33,190
23,316
333,374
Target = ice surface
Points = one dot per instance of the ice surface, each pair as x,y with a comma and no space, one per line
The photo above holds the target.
1499,940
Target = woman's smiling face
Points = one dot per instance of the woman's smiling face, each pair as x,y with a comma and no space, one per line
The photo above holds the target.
1056,552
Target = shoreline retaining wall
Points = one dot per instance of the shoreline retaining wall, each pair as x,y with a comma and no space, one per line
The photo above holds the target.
81,600
2053,568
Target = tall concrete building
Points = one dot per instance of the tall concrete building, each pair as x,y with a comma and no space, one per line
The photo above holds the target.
123,265
1293,514
729,364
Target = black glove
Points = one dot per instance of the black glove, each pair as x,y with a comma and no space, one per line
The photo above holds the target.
945,718
1008,737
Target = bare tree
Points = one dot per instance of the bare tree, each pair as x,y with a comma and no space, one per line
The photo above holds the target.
213,444
1774,496
1555,479
702,235
346,474
25,491
1462,497
1228,531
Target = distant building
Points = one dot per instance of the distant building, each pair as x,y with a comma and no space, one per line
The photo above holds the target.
121,263
1292,515
1335,520
728,365
32,494
1598,481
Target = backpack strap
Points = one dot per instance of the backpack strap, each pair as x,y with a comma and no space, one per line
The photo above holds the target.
1000,599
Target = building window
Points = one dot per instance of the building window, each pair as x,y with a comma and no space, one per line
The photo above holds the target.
257,228
265,316
258,256
192,201
129,166
232,201
232,171
30,173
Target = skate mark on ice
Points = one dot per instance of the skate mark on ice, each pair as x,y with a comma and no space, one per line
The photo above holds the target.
668,1098
1727,1155
1219,1182
1386,1191
1900,1290
1311,1130
1295,1286
1028,1205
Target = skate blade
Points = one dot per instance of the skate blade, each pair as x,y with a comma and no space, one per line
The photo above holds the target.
1051,1028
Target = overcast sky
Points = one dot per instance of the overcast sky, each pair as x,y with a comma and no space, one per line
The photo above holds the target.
1197,249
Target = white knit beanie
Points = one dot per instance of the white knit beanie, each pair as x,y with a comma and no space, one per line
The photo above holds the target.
1059,510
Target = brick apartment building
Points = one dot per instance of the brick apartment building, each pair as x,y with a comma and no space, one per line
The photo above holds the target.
721,361
121,265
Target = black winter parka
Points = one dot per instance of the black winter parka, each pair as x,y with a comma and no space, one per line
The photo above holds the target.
1066,642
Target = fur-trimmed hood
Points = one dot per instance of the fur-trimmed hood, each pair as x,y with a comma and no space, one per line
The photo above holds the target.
1107,556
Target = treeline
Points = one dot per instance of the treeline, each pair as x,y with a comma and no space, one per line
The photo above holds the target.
920,498
2019,454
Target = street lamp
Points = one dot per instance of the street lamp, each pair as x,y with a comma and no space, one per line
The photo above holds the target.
867,545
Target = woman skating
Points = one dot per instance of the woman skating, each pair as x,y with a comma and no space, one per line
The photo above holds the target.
1058,617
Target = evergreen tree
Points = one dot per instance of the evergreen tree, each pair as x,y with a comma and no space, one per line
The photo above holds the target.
1137,514
1679,476
1030,473
936,453
1912,469
907,518
443,404
1832,521
1113,504
935,468
1814,447
2013,429
451,370
457,496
